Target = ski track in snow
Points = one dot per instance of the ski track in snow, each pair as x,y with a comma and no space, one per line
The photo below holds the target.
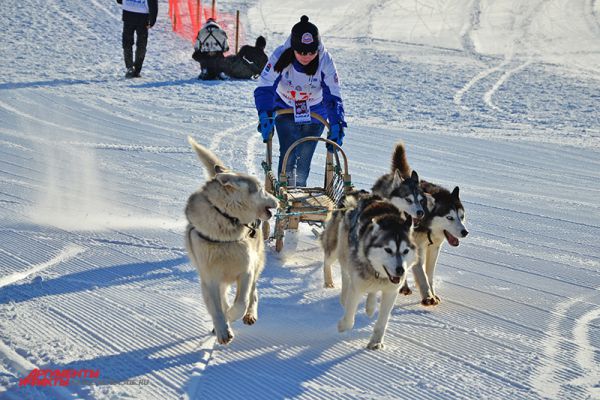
95,171
68,253
522,32
545,381
488,96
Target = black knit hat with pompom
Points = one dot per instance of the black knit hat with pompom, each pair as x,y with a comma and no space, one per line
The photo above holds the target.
305,36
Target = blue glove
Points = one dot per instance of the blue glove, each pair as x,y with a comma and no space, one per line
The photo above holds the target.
265,125
336,133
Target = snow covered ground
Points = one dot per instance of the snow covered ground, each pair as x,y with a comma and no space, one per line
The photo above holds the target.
498,97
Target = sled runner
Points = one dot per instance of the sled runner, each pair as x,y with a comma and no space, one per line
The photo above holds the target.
305,204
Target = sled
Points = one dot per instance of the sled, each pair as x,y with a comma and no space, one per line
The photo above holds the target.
311,205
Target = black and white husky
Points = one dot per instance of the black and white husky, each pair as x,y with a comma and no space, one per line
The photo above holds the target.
224,242
443,220
375,249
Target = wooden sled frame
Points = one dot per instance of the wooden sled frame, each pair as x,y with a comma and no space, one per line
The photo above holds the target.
305,204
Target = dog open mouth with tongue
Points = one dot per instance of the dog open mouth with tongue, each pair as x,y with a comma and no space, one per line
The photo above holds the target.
452,240
394,279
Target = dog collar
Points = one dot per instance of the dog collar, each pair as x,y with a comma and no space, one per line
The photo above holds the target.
211,240
236,221
233,220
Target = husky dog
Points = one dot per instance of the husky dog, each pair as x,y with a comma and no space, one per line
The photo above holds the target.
444,222
403,192
223,240
375,249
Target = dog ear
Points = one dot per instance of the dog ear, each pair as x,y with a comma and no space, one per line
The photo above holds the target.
219,169
430,202
375,226
228,181
414,176
397,180
455,193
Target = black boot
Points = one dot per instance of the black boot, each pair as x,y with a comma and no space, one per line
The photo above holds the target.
128,57
139,61
130,73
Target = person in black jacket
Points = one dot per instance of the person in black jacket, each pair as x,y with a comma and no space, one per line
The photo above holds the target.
248,62
138,17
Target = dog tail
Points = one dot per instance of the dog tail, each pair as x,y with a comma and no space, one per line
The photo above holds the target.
399,161
212,163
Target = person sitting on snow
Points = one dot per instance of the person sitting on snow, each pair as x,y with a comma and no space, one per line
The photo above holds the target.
249,62
211,43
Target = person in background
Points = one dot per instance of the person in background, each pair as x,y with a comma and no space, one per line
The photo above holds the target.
248,62
210,46
138,17
300,75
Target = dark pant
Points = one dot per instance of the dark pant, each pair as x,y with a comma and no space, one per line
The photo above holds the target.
210,63
288,132
141,32
235,67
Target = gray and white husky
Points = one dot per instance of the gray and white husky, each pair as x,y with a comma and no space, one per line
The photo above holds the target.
224,242
375,250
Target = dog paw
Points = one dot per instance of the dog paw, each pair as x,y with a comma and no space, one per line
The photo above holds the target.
405,290
329,285
430,301
225,337
344,325
375,346
250,319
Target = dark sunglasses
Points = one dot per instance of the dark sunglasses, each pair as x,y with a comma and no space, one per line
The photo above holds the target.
307,53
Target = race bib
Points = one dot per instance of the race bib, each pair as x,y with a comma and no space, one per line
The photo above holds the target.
301,112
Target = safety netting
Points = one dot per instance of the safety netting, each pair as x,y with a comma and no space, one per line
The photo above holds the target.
188,16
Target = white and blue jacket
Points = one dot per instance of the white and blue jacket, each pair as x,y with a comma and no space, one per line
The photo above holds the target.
280,90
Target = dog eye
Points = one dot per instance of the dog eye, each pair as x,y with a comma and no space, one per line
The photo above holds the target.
405,252
450,218
388,250
409,201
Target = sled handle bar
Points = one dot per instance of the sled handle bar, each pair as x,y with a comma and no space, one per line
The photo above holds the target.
315,139
291,111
